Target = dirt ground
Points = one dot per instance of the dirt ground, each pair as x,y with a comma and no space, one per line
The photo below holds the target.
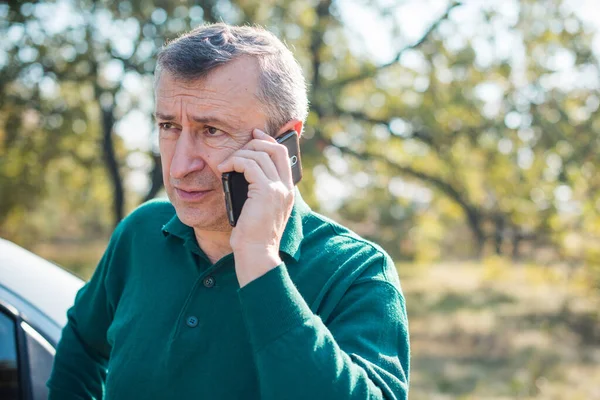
500,331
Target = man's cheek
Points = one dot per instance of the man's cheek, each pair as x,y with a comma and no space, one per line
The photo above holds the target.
222,153
226,143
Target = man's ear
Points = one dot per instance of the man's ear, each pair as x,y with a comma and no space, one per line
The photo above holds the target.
293,124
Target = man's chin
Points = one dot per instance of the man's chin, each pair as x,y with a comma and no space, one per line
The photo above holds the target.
204,217
205,221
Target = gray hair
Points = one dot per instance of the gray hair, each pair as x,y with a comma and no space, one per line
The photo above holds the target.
282,88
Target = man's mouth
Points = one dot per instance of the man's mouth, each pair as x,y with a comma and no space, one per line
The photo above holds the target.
191,194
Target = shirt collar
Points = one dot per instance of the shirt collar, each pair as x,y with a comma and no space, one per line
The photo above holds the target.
177,228
290,242
293,234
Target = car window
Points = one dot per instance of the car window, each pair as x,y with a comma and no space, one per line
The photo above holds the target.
41,355
9,368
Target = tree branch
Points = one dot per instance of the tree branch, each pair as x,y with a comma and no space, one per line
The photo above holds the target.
473,214
370,72
361,116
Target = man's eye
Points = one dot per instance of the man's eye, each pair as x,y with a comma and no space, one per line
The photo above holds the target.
166,125
212,131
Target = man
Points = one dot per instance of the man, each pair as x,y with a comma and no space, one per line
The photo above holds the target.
286,305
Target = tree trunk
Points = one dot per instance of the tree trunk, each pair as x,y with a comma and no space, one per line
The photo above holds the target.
516,245
108,121
156,181
499,233
473,221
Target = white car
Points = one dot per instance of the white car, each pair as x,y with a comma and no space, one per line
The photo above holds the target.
34,298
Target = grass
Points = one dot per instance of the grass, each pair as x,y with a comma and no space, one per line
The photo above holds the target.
501,332
79,258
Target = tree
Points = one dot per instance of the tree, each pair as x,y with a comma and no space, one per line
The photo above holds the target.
457,132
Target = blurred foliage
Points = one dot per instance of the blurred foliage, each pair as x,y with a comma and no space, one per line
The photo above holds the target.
478,137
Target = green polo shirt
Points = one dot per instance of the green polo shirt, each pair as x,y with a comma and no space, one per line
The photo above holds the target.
158,320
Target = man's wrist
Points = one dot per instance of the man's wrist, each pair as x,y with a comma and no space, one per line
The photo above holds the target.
251,264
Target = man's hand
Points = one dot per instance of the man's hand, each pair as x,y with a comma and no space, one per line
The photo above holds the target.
256,237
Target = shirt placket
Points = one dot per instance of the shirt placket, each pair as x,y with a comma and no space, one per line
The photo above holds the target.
206,281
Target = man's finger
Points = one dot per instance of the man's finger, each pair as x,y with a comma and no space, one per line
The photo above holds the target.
263,160
258,134
279,155
250,168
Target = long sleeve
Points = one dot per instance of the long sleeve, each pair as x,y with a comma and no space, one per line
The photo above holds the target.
362,353
80,364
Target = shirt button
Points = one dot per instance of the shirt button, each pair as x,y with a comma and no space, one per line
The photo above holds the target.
209,282
192,321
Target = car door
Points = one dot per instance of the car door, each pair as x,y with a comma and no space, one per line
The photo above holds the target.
26,358
11,387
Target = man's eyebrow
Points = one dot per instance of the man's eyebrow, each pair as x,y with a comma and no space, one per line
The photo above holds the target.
212,120
165,117
201,120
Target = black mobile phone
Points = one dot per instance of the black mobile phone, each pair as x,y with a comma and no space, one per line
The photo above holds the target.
235,185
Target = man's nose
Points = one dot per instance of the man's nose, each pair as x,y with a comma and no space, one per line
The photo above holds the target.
188,155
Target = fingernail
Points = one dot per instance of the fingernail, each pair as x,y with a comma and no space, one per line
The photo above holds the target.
259,133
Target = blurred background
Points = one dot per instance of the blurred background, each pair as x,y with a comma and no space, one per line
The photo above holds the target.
464,138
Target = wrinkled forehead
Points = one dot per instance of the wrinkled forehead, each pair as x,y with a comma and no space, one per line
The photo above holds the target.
228,92
237,77
169,88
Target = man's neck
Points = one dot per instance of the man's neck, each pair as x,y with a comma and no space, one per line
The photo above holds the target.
214,244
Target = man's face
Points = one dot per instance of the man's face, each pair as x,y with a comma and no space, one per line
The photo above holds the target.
201,123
